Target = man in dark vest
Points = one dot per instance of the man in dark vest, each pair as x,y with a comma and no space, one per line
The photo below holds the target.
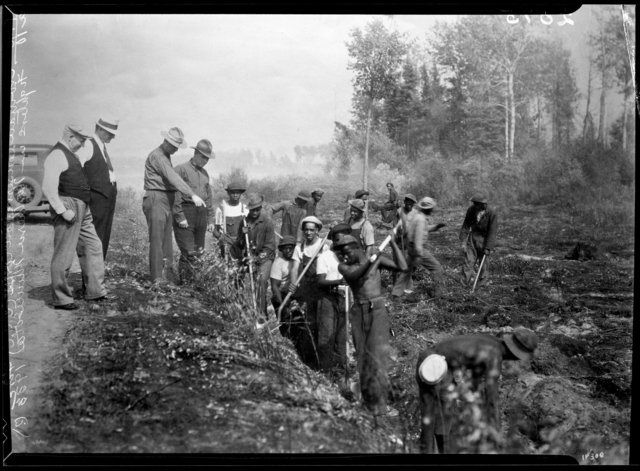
292,214
67,189
229,217
102,180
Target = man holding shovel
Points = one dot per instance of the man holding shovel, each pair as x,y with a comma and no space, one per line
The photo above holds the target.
259,231
368,315
477,240
229,217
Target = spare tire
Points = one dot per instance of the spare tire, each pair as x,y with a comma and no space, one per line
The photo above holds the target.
27,192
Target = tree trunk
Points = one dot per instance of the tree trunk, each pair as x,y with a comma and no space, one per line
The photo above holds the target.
584,125
365,170
602,94
512,129
506,127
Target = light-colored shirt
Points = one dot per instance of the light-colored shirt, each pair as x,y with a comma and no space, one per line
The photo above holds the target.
480,214
309,250
418,232
227,211
367,235
159,174
406,218
86,152
54,165
328,265
281,270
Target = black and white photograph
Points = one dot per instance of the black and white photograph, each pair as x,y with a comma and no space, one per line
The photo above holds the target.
366,235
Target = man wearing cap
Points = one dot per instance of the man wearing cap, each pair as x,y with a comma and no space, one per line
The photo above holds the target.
406,213
229,216
332,335
262,247
160,184
67,189
308,291
418,232
190,222
362,195
102,180
361,228
316,196
280,274
477,239
368,316
292,215
481,356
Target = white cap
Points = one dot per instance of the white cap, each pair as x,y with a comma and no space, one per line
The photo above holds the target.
433,369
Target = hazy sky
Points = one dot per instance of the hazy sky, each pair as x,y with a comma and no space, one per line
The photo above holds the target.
241,81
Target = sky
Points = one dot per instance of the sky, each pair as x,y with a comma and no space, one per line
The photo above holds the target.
240,81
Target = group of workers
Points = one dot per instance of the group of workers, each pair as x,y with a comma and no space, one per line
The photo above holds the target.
310,277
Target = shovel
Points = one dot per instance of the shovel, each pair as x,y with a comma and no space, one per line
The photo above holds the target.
385,242
478,275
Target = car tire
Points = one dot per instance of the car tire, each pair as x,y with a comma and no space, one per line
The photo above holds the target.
26,193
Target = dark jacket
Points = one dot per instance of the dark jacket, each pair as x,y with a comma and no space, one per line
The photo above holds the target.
485,228
262,238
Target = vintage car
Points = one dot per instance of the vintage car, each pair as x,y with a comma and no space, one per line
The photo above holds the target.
26,179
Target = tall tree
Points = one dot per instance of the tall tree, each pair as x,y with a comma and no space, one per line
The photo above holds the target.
624,66
376,54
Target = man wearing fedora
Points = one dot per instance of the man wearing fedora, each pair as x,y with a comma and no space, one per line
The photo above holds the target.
229,217
160,184
67,188
190,222
481,355
418,250
292,214
477,239
312,206
262,247
362,195
361,228
102,179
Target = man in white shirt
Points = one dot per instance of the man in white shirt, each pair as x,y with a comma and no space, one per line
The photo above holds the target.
306,339
332,334
66,187
229,216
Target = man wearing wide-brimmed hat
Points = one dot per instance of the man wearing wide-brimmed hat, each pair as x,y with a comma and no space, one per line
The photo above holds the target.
262,247
477,239
190,222
418,250
160,184
101,176
361,228
481,355
312,206
406,213
292,214
229,216
360,195
66,187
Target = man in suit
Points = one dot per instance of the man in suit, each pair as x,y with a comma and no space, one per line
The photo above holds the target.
102,180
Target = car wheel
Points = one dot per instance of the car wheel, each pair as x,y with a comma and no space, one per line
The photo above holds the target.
26,193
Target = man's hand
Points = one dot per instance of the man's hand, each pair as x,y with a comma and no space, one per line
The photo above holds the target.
69,216
262,255
487,252
183,224
375,253
198,201
440,225
292,287
211,227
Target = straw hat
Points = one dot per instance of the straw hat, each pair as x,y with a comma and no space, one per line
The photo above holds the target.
304,195
433,369
427,203
77,129
109,124
175,136
314,220
411,197
357,204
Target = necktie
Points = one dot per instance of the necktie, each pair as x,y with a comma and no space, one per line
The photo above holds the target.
106,156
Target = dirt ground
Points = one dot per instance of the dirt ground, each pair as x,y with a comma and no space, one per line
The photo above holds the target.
175,372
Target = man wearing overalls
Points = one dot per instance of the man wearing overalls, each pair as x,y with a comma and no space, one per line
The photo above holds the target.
229,216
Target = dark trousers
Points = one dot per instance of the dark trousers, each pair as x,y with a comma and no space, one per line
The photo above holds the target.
190,240
102,210
370,328
305,333
156,206
332,336
472,256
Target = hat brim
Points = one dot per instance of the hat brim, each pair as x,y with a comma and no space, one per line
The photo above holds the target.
110,131
183,145
303,198
208,156
355,207
515,349
410,199
82,135
255,206
241,190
